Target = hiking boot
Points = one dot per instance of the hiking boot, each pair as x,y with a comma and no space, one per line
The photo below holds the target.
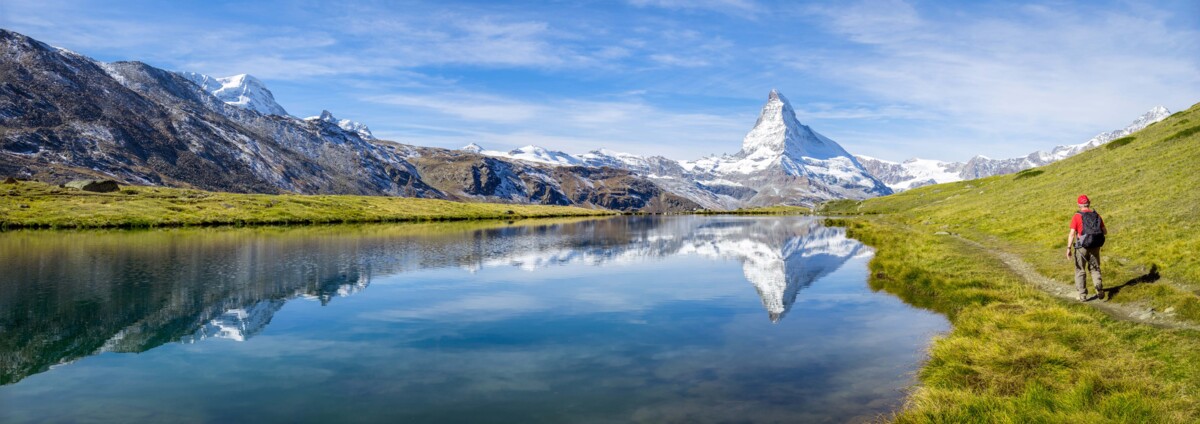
1083,297
1099,294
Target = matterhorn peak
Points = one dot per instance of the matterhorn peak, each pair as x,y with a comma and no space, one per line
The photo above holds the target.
241,90
777,133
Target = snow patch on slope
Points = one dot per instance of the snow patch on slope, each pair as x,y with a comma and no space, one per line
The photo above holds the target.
240,90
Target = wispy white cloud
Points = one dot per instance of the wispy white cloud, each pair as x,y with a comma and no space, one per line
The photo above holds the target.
453,38
1038,77
830,111
625,124
468,106
732,7
674,60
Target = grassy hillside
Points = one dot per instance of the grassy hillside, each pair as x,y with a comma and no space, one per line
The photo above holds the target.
1018,354
1145,186
34,204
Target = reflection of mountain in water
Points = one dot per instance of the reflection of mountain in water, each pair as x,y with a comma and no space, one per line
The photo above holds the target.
239,323
70,295
779,256
778,273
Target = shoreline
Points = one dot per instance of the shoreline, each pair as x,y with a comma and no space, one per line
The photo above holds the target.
42,206
31,205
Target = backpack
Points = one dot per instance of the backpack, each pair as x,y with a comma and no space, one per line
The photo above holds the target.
1093,232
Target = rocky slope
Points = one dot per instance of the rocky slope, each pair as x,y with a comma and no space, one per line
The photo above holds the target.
67,116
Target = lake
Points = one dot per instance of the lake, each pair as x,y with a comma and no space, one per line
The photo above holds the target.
624,319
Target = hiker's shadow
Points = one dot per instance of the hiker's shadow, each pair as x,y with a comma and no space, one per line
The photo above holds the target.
1150,277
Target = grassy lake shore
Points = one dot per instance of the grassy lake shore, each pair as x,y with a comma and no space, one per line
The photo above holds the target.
28,204
1019,355
1021,351
31,204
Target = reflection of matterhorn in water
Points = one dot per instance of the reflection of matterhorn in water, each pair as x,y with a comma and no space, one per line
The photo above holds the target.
780,256
778,273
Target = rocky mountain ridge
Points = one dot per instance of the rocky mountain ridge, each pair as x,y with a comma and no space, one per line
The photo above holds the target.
67,116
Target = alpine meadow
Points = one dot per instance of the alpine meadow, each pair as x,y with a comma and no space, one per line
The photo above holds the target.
1018,354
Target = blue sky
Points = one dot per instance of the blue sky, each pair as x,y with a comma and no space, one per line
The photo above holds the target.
890,79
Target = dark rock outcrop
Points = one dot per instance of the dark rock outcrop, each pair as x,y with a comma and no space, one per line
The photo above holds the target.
98,186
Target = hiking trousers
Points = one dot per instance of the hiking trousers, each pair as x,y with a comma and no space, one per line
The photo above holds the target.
1087,260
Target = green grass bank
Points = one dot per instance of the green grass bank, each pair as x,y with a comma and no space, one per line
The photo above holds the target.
29,204
1016,353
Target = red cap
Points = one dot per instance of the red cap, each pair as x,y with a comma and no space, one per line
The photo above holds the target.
1083,200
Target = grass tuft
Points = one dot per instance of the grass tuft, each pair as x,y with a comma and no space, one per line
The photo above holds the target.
1184,133
1119,142
1029,173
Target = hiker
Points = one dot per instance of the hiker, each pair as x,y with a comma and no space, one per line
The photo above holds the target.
1083,244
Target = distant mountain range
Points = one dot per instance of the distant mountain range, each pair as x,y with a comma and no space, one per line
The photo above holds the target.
67,116
917,172
781,162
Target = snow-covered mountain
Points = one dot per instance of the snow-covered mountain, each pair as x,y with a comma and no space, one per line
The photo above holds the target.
911,173
354,127
778,139
1155,114
786,162
242,90
529,153
781,162
916,172
247,92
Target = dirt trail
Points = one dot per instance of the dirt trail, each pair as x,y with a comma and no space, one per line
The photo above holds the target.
1122,311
